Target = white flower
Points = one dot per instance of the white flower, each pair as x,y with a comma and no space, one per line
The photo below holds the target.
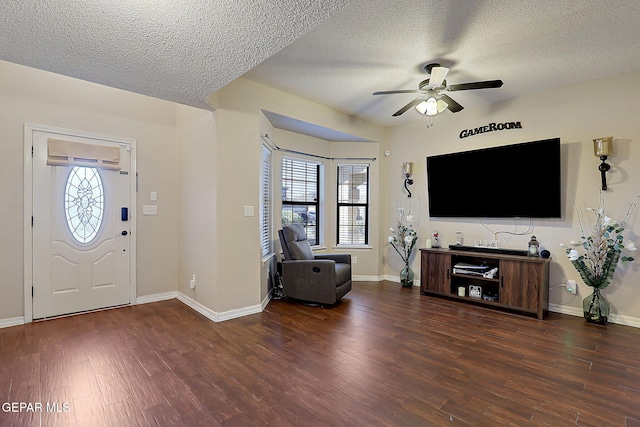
562,245
573,255
608,221
391,239
576,243
391,229
408,239
630,246
409,218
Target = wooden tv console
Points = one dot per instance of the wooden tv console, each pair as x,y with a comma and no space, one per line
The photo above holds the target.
522,282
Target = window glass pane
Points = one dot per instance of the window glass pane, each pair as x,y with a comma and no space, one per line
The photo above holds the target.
84,203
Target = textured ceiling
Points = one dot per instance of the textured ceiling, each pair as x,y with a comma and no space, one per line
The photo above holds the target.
336,52
176,50
532,46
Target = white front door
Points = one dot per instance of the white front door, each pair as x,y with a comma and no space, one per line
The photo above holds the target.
81,231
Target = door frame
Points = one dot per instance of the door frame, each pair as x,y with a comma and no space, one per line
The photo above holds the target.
29,129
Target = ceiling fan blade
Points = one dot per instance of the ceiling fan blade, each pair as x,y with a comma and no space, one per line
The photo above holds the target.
453,105
390,92
438,74
408,106
489,84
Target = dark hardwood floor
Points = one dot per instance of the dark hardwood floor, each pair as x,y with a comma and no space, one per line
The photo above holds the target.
384,356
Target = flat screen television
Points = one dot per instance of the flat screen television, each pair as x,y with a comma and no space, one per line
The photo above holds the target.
511,181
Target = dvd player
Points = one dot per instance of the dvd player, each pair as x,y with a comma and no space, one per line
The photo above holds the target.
520,252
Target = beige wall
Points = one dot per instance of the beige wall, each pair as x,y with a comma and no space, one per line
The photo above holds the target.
29,95
205,168
240,122
577,115
196,137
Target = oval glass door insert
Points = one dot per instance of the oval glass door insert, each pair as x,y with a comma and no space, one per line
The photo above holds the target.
84,203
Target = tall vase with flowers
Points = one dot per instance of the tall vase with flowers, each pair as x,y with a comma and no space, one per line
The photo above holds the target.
403,239
596,257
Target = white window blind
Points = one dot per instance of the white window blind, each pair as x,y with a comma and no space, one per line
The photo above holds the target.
301,196
353,204
265,201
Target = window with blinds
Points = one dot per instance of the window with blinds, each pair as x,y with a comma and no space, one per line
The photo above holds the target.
265,202
301,196
353,204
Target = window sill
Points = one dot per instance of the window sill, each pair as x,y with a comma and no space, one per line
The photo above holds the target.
357,247
267,258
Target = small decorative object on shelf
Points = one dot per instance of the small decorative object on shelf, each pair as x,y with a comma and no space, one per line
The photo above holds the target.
534,247
435,239
596,308
475,291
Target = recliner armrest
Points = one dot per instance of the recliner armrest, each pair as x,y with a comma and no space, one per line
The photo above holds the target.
339,258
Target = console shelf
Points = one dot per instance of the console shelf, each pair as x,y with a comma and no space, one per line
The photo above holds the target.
522,282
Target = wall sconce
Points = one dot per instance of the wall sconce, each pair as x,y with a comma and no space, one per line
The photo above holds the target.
603,147
407,171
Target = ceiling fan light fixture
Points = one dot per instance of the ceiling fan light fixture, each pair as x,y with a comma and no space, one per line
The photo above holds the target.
442,106
429,106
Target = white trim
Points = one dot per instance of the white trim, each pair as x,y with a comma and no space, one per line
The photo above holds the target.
356,278
163,296
396,279
11,321
345,247
221,317
613,318
29,129
566,309
266,300
268,257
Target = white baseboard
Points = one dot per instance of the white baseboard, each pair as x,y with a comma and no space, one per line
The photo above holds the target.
396,279
11,321
145,299
225,315
613,318
565,309
356,278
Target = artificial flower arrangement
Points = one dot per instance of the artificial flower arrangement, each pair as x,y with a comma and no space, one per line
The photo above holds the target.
403,238
601,252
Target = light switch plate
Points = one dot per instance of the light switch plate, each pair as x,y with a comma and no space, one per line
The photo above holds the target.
154,196
149,210
248,211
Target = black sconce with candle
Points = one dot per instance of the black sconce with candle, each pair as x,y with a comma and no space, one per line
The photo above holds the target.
407,171
603,147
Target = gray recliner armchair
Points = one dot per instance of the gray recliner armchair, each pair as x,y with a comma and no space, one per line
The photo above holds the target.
322,279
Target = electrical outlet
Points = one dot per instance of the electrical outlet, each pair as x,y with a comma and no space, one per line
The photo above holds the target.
192,282
572,286
354,260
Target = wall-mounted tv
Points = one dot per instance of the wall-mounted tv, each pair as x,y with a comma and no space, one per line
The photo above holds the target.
512,181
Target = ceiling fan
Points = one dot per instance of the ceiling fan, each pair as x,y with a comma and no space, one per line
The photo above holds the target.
431,100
